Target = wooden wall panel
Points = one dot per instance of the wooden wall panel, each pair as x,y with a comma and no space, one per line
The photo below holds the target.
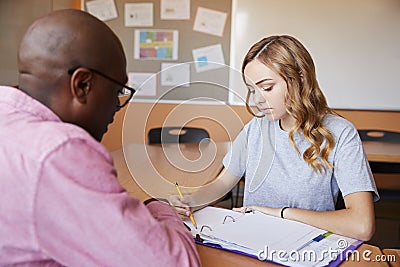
139,121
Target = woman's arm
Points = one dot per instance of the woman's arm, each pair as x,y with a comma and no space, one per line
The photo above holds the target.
357,220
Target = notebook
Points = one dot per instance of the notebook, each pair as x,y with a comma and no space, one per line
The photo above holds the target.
270,238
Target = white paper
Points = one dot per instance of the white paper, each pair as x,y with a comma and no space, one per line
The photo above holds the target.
210,21
102,9
144,83
156,44
175,74
208,58
259,234
139,14
175,9
271,231
211,217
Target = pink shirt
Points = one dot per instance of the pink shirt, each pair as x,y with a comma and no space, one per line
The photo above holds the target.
60,202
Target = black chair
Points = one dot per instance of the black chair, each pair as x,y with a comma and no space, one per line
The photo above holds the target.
177,134
241,181
379,136
340,202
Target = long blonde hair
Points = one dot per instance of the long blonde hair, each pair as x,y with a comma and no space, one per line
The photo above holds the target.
304,99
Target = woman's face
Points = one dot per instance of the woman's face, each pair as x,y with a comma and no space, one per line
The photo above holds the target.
268,89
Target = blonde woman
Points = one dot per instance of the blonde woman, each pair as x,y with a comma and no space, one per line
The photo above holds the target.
296,154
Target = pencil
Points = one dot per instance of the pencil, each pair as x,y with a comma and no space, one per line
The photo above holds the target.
181,196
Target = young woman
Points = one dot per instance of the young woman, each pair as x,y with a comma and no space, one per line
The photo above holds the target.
296,154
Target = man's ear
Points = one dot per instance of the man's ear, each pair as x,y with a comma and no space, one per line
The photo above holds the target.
80,84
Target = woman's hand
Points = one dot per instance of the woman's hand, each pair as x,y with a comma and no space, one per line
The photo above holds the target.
181,205
267,210
244,209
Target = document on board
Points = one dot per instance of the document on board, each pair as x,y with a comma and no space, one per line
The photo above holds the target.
175,74
156,44
210,21
102,9
208,58
175,9
139,15
144,83
270,238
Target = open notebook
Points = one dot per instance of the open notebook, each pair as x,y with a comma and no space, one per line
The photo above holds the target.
269,238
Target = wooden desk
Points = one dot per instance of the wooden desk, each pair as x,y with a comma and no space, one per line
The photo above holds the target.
156,166
382,152
384,159
150,155
146,156
211,257
392,256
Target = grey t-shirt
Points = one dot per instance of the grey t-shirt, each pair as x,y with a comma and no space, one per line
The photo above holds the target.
277,176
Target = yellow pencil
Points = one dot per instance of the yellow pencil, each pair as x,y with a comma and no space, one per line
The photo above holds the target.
181,196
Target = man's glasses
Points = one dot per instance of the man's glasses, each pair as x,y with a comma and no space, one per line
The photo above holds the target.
130,89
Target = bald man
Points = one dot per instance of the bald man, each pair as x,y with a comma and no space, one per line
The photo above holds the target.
60,202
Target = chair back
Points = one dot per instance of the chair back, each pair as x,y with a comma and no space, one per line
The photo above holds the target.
340,202
379,136
177,134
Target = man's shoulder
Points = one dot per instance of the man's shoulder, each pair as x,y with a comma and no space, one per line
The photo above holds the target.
62,133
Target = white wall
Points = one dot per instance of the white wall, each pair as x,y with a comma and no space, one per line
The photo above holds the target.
355,45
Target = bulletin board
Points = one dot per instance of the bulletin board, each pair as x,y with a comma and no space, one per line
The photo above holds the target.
15,18
204,84
355,45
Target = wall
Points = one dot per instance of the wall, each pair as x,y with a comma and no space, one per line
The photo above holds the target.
211,83
355,45
15,17
140,121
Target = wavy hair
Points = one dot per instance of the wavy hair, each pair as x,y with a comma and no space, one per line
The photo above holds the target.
304,99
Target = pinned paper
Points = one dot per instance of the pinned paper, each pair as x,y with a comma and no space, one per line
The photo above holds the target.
175,74
210,21
175,9
144,83
138,14
102,9
208,58
156,44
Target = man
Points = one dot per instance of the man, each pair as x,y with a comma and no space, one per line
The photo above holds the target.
60,202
